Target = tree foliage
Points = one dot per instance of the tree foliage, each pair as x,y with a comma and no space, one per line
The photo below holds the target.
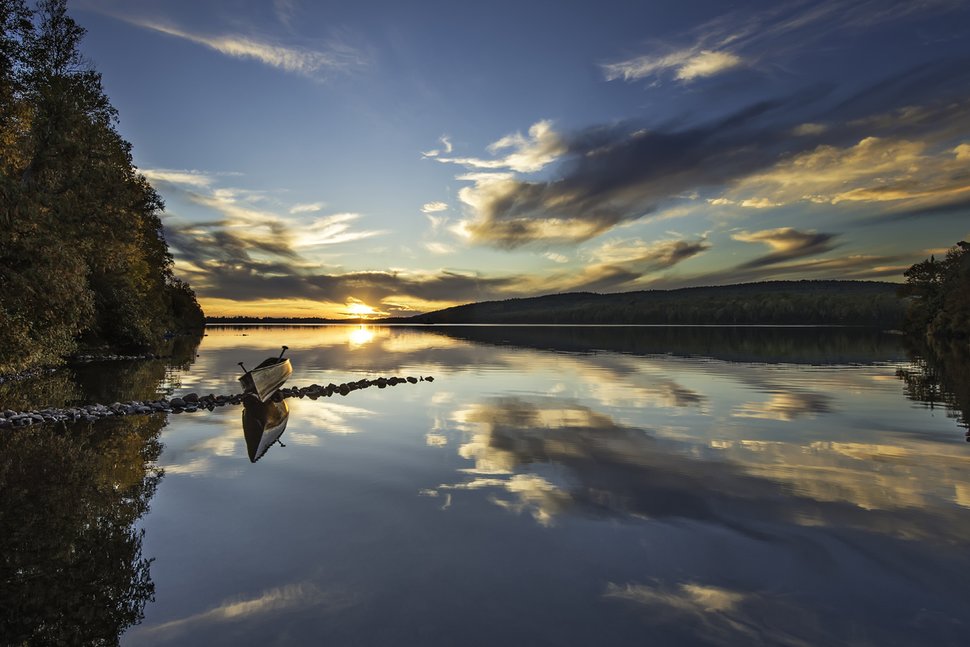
939,294
82,252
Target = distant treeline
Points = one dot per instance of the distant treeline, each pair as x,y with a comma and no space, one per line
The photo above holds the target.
82,255
860,303
275,320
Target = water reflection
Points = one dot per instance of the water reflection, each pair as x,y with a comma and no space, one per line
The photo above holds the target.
73,571
550,458
263,424
104,382
746,344
582,486
940,376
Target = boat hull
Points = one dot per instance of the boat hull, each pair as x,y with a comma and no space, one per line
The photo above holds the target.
264,380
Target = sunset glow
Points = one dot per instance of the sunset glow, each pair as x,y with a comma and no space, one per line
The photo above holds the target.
674,144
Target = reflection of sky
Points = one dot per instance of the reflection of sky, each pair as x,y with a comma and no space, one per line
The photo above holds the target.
709,501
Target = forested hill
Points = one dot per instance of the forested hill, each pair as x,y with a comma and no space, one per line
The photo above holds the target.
866,303
82,252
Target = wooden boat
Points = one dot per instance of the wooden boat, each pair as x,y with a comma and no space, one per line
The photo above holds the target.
264,380
263,424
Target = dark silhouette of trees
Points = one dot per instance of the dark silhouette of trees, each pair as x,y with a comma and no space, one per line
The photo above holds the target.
939,294
82,253
861,303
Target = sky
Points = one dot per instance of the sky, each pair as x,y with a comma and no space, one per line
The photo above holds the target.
388,158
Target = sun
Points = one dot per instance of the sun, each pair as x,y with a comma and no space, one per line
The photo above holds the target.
360,309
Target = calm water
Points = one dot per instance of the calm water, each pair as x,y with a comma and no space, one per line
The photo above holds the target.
552,486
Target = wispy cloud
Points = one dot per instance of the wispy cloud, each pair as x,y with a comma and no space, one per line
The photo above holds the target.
788,244
687,65
331,230
309,207
446,148
526,154
315,63
620,264
739,39
196,179
245,232
434,207
909,173
270,602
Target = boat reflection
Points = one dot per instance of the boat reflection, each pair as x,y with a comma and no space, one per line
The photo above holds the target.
263,424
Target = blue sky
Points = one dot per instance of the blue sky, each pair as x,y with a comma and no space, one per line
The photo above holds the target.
324,158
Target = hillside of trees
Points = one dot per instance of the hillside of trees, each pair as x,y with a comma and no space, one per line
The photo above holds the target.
862,303
82,254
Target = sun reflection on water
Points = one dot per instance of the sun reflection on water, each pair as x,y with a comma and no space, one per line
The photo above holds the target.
360,336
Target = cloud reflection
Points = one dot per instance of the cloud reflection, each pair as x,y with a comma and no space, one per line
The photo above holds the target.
551,457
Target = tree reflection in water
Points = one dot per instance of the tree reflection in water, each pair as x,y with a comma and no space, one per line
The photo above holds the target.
940,376
72,569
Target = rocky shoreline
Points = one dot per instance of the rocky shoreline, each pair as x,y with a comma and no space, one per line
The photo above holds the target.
188,403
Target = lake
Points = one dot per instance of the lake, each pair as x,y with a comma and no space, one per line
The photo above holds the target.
551,486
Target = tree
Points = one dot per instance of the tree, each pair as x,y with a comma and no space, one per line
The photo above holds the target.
82,249
939,293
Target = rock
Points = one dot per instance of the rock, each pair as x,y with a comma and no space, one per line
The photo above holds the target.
176,402
191,397
412,380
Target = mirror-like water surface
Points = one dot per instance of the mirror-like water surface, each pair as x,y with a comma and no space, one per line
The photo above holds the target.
551,486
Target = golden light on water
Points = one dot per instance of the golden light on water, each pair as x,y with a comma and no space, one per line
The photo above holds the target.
360,336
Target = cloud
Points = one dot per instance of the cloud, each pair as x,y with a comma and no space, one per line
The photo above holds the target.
434,207
784,30
270,602
907,173
687,65
196,179
527,154
310,207
787,243
620,172
786,406
685,598
614,174
445,148
439,248
248,265
331,230
337,56
619,264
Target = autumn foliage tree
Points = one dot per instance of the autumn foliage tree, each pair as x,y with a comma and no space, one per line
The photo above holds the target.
82,252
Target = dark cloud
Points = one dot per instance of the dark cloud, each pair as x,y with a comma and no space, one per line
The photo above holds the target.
619,173
636,261
622,172
788,243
